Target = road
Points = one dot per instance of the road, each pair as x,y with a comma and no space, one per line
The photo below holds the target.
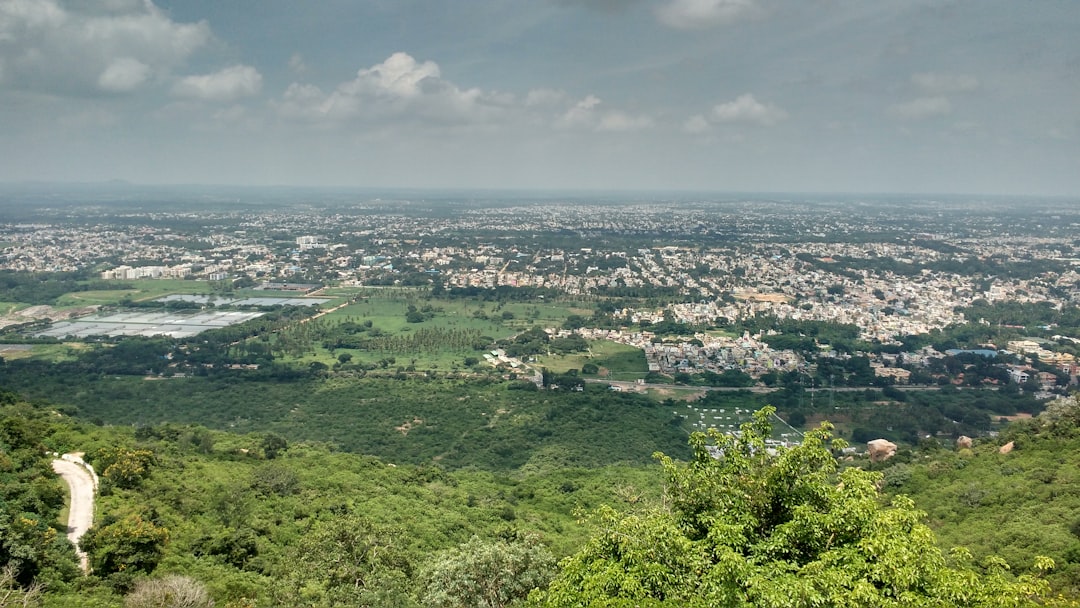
81,511
759,389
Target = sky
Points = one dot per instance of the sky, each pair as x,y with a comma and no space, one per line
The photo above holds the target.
920,96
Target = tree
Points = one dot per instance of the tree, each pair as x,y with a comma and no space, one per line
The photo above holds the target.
173,591
346,561
14,595
743,527
273,444
123,467
125,545
486,574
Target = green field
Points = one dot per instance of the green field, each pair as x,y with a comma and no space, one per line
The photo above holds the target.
386,310
621,361
54,353
141,290
7,308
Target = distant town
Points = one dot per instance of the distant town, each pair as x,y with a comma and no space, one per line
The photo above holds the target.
889,271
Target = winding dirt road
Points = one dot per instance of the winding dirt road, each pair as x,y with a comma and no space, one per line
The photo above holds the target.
81,510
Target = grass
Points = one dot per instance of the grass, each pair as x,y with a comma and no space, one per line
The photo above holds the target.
141,290
103,297
7,308
622,362
386,309
54,353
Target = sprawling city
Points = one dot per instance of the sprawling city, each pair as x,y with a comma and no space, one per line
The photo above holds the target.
550,304
531,334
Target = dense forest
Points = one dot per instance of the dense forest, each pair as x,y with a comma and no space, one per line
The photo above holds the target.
255,519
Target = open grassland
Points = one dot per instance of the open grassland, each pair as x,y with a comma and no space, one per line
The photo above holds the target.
616,361
140,290
7,308
440,335
53,353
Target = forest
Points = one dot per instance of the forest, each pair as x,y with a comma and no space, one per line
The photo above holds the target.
253,519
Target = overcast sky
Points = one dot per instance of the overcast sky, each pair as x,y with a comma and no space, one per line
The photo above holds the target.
979,96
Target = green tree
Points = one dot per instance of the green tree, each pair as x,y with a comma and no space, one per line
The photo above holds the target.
273,444
125,545
123,467
347,561
745,527
486,574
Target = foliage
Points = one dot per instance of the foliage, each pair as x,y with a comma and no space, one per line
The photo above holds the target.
172,591
463,423
13,595
486,574
1018,505
31,498
123,467
132,543
347,561
743,527
47,287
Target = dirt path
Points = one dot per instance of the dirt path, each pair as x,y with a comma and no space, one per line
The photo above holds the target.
81,510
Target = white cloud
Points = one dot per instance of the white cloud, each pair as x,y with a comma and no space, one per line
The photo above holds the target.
296,64
936,84
619,121
228,84
545,97
581,114
700,14
399,75
587,114
921,108
697,124
92,45
399,87
745,109
123,75
402,91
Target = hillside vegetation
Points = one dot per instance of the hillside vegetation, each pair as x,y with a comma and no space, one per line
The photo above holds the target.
1016,505
256,520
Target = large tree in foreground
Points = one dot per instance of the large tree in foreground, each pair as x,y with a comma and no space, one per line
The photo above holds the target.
743,525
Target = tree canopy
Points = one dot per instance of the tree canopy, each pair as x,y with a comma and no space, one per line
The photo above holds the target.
744,524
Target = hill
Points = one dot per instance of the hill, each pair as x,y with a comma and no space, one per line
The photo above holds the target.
1015,505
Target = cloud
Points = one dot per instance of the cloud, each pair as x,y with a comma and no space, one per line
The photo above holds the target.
606,6
228,84
747,110
91,46
697,124
296,64
400,87
587,114
937,84
400,75
618,121
581,114
123,75
921,108
701,14
545,97
403,91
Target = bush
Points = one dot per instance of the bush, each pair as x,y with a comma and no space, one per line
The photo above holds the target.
173,591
